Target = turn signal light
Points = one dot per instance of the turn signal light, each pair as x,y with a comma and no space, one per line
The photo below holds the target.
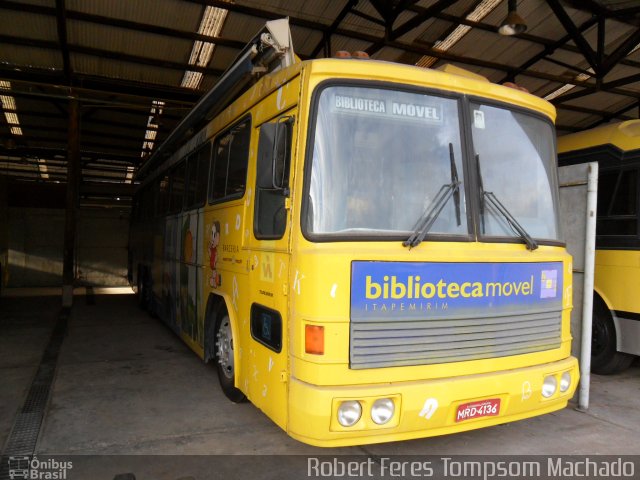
314,339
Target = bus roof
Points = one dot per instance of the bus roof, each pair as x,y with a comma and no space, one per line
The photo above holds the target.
624,135
447,80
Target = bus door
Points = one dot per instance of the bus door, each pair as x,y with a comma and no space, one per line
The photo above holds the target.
269,269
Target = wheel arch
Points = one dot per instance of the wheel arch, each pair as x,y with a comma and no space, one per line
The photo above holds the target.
602,297
217,305
600,300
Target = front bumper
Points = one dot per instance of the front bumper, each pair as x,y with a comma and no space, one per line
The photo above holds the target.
424,408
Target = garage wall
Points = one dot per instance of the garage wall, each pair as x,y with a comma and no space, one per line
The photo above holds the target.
103,239
35,245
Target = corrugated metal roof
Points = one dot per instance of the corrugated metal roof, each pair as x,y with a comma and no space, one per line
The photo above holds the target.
120,56
129,42
28,25
127,70
176,14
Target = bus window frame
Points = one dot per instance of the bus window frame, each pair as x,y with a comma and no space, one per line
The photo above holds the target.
172,170
609,158
468,100
471,187
288,126
612,240
155,183
194,157
308,162
213,159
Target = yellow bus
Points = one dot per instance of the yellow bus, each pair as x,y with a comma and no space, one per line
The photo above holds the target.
616,306
368,251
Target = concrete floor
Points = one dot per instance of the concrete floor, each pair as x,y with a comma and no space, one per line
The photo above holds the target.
126,385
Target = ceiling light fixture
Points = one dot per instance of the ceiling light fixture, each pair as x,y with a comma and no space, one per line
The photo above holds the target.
513,24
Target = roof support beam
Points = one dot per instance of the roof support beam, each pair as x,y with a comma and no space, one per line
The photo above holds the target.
567,66
410,24
371,19
58,152
601,40
609,116
622,51
61,24
120,23
621,82
626,12
589,90
624,15
589,111
576,35
332,28
404,5
553,45
98,52
98,86
382,8
113,106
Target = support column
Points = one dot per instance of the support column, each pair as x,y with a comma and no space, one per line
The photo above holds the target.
71,215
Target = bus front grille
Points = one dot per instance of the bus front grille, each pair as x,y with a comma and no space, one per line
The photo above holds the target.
388,343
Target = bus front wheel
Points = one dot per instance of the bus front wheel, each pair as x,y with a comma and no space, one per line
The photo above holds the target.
605,358
225,360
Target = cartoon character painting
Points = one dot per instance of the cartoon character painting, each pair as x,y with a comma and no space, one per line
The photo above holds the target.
214,279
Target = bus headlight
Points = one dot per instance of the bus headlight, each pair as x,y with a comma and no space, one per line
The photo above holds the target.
549,386
349,413
565,382
382,410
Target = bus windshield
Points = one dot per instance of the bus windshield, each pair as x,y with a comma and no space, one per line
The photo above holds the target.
380,157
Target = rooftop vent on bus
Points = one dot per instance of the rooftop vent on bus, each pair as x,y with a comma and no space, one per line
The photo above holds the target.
359,54
516,86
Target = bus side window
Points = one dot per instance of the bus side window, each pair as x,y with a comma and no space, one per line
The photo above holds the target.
617,203
190,182
272,179
177,188
203,157
231,157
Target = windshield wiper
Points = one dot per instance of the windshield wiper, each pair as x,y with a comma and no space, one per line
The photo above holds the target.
511,220
428,218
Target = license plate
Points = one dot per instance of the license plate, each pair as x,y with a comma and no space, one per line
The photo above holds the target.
482,408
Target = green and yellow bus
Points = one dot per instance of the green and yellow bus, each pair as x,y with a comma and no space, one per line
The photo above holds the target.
616,308
368,251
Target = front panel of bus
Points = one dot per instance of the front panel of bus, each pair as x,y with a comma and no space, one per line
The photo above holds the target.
430,289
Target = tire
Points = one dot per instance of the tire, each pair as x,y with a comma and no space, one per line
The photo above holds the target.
225,361
605,358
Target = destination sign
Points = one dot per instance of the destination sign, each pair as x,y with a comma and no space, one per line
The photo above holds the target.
387,108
